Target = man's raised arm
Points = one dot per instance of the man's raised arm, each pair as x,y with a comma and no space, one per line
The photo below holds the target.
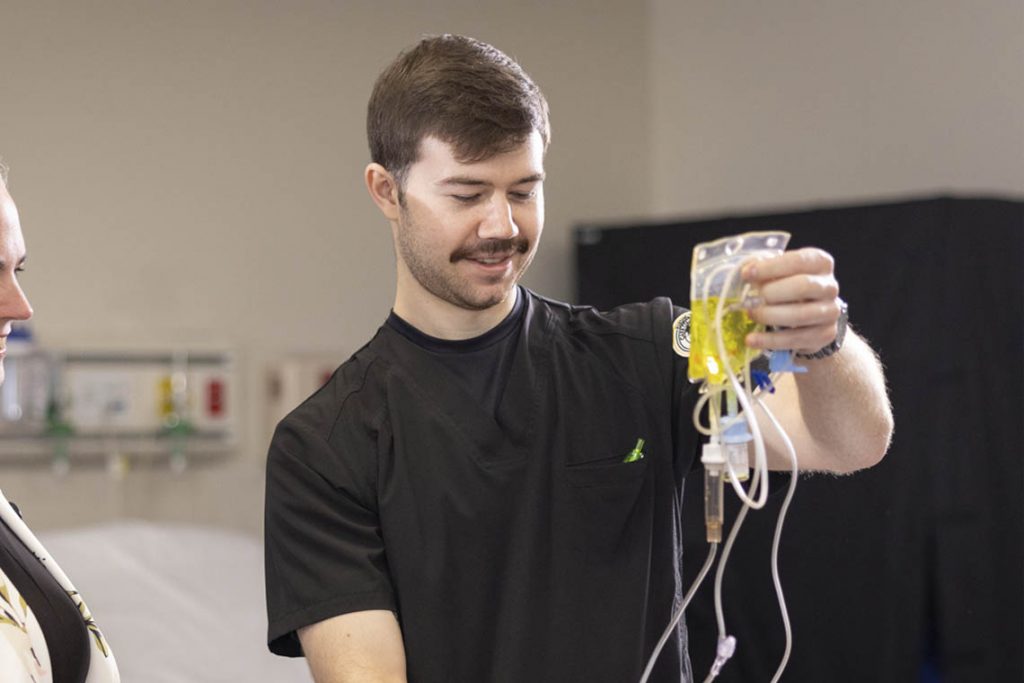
837,413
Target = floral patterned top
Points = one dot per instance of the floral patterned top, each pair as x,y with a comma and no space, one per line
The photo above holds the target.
24,655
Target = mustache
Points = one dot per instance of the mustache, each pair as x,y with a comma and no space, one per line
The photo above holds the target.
489,248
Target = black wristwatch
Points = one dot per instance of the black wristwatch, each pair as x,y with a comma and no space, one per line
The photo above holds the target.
837,343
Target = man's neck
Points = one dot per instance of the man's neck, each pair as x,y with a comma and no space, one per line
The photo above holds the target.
443,320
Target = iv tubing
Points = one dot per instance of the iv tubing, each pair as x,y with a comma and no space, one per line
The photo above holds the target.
791,489
760,456
679,612
755,481
701,402
759,479
794,466
758,487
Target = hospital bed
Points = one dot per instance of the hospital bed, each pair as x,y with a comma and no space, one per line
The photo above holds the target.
178,603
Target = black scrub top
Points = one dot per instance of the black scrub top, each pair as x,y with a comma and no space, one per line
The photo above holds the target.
515,544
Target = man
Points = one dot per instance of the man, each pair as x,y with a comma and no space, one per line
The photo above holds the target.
455,504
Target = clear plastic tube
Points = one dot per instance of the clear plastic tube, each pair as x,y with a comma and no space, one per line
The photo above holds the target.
793,474
760,456
712,551
725,368
714,509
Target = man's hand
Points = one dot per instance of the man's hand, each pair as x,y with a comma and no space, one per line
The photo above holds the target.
837,413
797,291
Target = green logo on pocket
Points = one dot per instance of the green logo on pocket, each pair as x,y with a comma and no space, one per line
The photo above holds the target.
637,453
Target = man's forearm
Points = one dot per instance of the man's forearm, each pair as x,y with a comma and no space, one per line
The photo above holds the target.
845,407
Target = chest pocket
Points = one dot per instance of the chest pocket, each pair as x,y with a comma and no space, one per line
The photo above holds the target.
606,472
610,507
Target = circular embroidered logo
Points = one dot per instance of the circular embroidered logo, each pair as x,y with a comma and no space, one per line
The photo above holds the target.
681,335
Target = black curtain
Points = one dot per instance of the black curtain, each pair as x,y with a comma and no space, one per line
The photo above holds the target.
917,562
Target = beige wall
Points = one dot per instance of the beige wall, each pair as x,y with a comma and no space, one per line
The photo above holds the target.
191,173
765,104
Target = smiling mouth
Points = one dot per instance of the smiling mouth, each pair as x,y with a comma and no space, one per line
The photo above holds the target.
491,252
491,260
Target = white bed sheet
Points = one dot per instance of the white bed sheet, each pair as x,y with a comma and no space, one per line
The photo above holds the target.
177,603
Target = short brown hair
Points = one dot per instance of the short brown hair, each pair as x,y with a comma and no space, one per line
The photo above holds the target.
463,91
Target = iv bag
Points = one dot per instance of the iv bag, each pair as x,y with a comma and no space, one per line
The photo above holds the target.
715,279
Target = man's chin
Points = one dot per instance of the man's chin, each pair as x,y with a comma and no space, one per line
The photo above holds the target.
487,297
482,304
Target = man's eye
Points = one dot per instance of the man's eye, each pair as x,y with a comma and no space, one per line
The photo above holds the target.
524,196
466,198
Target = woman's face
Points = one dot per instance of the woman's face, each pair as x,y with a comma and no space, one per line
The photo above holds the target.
13,304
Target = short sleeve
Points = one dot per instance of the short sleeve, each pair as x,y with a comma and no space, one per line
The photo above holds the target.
685,393
324,553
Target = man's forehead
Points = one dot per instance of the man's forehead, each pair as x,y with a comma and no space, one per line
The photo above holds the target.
438,158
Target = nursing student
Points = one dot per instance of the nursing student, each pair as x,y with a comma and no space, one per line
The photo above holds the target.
47,634
460,502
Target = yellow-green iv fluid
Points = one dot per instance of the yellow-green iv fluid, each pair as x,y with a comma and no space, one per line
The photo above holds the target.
705,362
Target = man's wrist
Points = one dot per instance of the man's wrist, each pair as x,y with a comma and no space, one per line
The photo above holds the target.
837,343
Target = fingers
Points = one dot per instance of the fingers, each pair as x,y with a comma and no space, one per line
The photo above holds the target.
802,339
806,261
809,326
796,292
805,275
801,327
805,314
797,288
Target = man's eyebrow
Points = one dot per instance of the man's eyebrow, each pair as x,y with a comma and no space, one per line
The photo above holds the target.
468,180
462,180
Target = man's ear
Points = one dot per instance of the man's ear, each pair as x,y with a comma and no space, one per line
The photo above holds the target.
383,190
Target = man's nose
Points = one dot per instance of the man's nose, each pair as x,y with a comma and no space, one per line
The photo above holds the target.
499,223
